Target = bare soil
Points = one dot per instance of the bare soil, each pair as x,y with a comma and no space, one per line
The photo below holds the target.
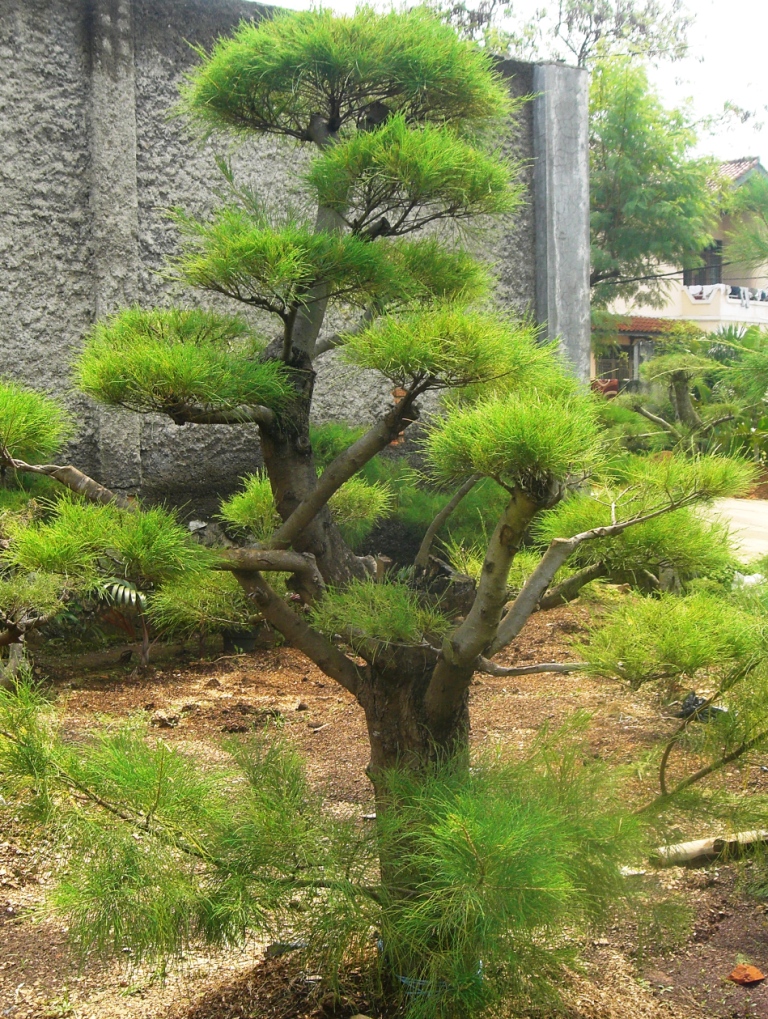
41,979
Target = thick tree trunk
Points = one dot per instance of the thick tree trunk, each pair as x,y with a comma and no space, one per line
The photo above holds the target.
290,463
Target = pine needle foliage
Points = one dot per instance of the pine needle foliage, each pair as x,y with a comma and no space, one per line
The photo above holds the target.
452,346
355,507
273,76
169,359
32,426
410,177
39,593
85,542
650,481
200,604
244,256
159,854
670,638
682,541
528,442
389,612
510,855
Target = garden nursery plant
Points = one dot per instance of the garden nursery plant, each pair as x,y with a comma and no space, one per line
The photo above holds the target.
478,874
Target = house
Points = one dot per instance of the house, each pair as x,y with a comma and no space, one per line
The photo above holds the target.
719,294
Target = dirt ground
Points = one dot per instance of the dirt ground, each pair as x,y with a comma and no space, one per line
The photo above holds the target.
40,978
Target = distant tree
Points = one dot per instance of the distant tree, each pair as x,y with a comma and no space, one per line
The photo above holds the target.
577,30
748,204
652,204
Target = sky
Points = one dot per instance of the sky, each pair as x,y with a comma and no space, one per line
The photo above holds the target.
728,62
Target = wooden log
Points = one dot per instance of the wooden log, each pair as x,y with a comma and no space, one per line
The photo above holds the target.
703,851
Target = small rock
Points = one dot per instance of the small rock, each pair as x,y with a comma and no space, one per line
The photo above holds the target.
302,706
745,975
213,684
197,525
165,720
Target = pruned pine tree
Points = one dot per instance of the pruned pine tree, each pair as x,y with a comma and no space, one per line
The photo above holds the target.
397,109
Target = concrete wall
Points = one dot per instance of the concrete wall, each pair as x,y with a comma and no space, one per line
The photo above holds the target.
90,162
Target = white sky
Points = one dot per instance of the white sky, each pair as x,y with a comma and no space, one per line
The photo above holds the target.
728,62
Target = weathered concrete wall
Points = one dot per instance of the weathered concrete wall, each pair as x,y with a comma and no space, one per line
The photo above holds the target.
89,165
561,204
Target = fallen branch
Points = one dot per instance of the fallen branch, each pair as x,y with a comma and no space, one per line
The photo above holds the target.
702,851
492,669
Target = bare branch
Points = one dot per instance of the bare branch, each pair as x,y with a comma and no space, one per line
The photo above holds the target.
301,565
346,465
235,416
570,588
71,478
639,409
556,555
299,634
492,669
422,556
338,339
460,649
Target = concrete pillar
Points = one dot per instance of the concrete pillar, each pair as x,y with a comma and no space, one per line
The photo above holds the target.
561,207
114,210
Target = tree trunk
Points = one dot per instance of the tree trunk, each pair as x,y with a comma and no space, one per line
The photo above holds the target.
290,463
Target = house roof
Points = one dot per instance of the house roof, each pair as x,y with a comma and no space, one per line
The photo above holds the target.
643,324
738,169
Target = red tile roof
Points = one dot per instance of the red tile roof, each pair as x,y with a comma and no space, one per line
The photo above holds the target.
643,324
738,168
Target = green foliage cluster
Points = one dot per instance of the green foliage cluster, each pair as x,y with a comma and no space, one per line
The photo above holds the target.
200,604
32,426
650,200
505,857
528,442
455,347
86,542
410,177
274,76
355,507
391,612
170,359
669,638
682,541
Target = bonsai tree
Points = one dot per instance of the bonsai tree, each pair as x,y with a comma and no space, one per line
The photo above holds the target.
399,113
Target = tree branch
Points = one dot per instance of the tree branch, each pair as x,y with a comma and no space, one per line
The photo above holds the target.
570,588
71,478
460,650
492,669
299,634
556,555
709,769
337,340
235,416
639,409
422,556
301,564
345,466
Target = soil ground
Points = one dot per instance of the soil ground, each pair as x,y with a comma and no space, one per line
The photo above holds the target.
41,979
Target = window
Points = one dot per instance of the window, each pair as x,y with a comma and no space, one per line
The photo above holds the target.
708,273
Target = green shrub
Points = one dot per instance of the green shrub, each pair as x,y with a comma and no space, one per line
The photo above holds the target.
391,612
700,637
512,863
32,426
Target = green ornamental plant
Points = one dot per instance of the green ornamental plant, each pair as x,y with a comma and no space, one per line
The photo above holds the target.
401,114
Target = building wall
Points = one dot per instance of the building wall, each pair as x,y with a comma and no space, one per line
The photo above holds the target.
90,163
